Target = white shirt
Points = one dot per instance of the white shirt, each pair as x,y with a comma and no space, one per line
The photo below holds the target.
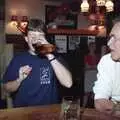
108,79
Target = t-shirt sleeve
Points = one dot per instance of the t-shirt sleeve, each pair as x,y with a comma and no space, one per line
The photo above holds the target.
102,87
11,72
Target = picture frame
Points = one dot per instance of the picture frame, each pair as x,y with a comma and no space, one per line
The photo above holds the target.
73,42
55,17
61,43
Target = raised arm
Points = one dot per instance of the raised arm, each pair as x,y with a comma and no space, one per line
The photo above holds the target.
62,73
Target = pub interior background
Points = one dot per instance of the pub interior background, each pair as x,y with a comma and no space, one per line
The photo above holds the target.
11,41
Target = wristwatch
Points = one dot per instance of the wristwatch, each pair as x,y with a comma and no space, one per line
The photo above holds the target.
52,59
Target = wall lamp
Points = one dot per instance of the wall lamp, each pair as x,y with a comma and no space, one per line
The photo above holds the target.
108,4
14,20
21,24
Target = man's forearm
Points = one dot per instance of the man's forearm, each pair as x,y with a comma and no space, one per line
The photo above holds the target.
62,73
12,86
107,107
104,105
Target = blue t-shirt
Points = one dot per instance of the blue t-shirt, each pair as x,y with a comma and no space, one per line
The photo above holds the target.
39,88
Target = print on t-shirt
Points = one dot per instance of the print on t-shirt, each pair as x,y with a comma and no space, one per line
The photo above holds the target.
45,75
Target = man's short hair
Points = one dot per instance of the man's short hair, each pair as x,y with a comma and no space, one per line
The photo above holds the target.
36,25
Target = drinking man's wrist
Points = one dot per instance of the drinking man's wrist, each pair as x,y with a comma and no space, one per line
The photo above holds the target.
50,56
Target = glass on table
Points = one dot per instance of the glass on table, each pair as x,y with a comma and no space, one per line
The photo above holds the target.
70,108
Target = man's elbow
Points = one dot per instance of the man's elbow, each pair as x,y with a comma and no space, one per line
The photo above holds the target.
69,84
7,88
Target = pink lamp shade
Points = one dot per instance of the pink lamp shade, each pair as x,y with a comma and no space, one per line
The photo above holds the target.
14,18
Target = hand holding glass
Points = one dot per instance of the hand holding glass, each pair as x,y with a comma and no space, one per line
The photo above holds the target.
70,108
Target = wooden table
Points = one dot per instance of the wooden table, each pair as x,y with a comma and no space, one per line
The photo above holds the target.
51,112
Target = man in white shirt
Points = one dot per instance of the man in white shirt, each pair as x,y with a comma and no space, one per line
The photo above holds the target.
107,86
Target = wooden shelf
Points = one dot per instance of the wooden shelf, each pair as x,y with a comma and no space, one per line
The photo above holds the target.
72,32
19,39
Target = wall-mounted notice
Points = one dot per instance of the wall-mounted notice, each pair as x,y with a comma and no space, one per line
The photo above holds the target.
61,43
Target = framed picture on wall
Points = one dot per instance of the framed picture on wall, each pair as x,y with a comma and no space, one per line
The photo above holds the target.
61,43
91,39
73,42
56,16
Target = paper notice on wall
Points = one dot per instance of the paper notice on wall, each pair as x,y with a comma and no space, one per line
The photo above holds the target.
61,43
91,39
74,42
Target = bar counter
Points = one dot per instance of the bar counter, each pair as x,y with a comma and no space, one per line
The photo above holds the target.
51,112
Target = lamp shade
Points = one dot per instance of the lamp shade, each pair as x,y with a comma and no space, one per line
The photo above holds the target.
14,18
109,6
84,6
100,2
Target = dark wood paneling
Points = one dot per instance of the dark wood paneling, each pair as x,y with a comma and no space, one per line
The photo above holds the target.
72,32
18,42
16,39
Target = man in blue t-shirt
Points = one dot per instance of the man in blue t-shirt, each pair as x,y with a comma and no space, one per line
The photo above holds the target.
31,77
